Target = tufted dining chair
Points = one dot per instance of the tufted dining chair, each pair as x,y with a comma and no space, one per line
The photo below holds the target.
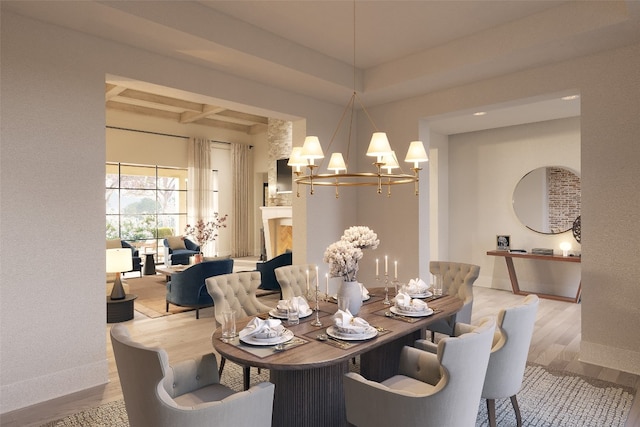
186,394
293,279
508,360
431,389
236,291
458,281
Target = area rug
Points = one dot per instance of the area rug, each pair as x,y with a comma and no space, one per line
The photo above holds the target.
547,399
151,292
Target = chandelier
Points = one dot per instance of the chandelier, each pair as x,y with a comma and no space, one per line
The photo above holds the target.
379,148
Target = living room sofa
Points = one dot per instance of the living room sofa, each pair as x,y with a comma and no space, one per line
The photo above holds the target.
187,288
267,269
180,249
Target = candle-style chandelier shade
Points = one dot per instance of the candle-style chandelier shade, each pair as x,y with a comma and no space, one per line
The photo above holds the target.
379,147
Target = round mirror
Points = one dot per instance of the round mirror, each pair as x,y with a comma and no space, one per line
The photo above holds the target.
547,199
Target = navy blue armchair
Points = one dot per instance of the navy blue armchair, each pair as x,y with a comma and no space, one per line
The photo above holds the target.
181,256
187,288
267,270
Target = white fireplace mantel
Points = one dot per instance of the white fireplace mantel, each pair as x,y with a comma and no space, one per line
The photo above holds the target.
272,217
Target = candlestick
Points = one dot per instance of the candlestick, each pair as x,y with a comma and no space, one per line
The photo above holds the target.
386,268
396,269
327,286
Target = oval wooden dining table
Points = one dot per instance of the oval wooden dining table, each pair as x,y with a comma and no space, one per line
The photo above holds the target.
308,376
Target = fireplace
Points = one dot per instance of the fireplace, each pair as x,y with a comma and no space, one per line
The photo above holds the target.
278,229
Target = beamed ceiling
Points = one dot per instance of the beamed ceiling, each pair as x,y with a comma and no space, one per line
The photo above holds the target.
121,98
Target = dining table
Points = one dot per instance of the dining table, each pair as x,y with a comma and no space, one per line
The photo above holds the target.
308,372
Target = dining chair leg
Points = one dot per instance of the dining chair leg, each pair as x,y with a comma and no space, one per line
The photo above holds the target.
197,313
516,409
491,412
222,361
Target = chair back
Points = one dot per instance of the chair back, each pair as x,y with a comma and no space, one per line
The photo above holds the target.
267,270
188,287
141,370
510,349
457,279
236,291
293,279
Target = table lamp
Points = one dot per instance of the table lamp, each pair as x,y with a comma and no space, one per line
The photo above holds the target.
119,260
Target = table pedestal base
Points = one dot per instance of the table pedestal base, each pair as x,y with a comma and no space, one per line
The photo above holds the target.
323,403
382,363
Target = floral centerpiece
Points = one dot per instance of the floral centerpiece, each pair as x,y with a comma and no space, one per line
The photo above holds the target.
343,256
206,231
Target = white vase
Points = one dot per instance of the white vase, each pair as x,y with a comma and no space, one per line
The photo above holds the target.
353,291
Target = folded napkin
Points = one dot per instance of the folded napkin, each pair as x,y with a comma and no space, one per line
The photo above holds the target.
345,323
365,292
302,304
416,287
262,329
407,304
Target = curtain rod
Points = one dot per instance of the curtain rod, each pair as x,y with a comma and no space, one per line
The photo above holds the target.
163,134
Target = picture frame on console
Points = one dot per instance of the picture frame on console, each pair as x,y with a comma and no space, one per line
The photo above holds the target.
503,242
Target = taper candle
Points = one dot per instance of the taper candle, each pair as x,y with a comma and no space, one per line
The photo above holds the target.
396,270
377,274
317,278
386,267
326,276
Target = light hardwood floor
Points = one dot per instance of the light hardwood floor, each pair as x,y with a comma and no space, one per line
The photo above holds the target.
555,344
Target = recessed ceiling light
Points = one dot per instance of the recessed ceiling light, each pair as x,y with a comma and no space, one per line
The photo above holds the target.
480,113
570,97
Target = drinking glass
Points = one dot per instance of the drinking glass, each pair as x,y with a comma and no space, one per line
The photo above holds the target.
293,316
228,323
437,284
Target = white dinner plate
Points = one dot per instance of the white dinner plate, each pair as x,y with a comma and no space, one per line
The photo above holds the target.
427,294
427,312
286,336
275,313
370,333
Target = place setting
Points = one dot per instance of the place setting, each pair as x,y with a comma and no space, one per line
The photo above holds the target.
263,337
285,308
348,330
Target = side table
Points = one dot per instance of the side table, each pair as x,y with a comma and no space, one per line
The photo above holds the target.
149,264
120,310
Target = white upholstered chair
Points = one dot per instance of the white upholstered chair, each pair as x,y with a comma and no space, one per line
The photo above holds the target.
186,394
236,291
458,281
293,279
514,329
441,389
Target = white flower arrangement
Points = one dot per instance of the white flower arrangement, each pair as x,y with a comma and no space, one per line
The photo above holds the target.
343,255
361,237
343,258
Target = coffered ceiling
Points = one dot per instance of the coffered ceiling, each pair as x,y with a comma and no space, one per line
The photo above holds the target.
181,110
402,48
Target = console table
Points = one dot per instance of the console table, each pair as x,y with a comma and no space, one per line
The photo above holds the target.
508,257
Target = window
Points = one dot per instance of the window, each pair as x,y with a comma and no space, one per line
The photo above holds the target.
144,204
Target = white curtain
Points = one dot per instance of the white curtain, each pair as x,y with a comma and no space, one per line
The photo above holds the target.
199,194
241,244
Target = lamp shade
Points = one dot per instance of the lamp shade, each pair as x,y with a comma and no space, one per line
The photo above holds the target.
416,153
311,149
119,260
295,158
390,162
379,145
336,163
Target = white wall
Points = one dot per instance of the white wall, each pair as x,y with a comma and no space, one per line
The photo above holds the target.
484,170
609,84
52,306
